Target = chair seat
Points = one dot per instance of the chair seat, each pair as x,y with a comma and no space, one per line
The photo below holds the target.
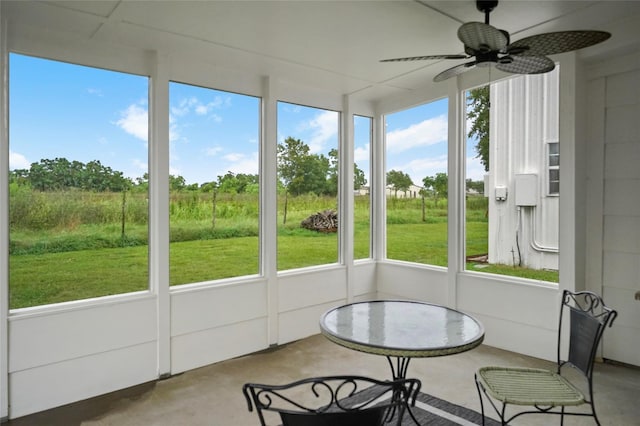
529,386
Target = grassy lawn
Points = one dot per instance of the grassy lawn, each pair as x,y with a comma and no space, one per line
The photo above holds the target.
38,279
80,261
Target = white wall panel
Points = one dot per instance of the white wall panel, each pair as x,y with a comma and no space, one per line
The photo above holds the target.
75,379
620,254
621,270
364,279
519,338
622,124
409,281
301,323
200,308
311,287
47,338
621,197
205,347
623,337
621,160
622,233
623,89
521,303
618,345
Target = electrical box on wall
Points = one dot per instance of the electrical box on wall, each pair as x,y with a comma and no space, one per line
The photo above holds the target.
501,193
526,188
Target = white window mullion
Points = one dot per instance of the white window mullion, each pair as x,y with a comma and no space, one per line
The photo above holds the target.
4,224
269,203
159,206
345,194
456,189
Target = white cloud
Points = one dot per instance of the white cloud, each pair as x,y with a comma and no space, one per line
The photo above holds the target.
475,169
243,164
427,132
213,151
134,120
234,157
140,165
175,171
184,106
201,109
420,168
361,153
323,127
95,92
18,161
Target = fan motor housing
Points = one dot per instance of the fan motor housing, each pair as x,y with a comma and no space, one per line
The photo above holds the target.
486,6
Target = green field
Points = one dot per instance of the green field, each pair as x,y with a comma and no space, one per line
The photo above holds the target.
77,245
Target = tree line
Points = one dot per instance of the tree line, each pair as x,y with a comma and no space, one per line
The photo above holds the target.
299,171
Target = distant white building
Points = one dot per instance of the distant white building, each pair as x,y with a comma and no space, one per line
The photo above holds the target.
412,192
523,180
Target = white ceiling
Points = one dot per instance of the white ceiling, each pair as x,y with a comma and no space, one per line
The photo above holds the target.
335,45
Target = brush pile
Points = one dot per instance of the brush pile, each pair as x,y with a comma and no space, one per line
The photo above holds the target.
325,221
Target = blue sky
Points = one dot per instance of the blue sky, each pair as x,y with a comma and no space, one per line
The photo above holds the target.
84,114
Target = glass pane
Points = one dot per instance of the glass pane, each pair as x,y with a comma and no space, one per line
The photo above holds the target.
214,197
416,184
78,208
363,130
307,186
510,232
477,167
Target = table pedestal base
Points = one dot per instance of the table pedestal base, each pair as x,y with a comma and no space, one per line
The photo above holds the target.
399,366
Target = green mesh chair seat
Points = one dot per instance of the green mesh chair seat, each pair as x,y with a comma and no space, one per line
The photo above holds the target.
529,386
549,391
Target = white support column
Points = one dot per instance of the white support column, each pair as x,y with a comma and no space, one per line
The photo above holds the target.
159,205
345,194
572,223
456,192
4,222
269,203
377,190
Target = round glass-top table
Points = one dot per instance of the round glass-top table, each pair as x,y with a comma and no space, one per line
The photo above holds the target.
402,330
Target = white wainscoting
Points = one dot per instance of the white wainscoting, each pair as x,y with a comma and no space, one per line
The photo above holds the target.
65,355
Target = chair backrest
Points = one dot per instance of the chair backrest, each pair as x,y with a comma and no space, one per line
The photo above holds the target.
332,400
588,318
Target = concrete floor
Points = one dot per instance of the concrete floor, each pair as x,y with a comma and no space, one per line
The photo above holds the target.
212,395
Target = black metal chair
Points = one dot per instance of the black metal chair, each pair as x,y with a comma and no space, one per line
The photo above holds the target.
549,391
333,400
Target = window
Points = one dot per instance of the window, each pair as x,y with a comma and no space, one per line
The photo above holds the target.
307,186
78,206
511,225
362,131
416,184
214,184
554,167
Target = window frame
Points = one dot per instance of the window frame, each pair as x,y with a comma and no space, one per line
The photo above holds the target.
553,168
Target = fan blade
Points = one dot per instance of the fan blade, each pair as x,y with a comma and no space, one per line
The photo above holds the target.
422,58
526,64
482,37
453,71
558,42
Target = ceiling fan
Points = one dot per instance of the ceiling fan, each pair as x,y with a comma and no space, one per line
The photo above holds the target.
489,46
